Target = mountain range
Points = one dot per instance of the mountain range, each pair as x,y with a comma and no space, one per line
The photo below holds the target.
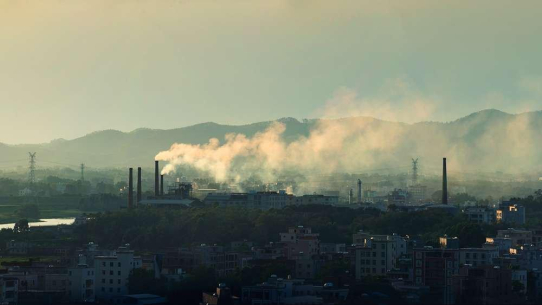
488,140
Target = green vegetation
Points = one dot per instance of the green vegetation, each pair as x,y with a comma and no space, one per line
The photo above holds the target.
150,228
28,210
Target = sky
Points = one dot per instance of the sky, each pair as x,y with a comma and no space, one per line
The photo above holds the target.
71,67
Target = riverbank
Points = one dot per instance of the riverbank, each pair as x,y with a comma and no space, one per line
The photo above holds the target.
43,222
50,208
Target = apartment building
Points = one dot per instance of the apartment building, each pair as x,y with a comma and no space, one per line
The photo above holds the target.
112,273
377,254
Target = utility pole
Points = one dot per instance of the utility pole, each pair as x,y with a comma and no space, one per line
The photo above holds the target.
82,172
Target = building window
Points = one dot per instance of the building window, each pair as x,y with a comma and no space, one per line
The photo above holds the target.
110,281
110,272
103,272
110,289
118,273
111,264
118,264
118,281
103,281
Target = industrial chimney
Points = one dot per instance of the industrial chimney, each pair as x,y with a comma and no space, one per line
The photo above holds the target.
359,190
351,196
444,183
138,185
161,185
156,182
130,188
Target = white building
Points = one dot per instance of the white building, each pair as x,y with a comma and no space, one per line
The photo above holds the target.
82,282
112,273
377,254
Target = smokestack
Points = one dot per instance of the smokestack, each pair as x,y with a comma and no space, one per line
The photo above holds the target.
444,183
138,185
161,185
156,182
359,190
130,188
351,196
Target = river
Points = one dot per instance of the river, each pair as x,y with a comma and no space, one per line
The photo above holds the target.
43,222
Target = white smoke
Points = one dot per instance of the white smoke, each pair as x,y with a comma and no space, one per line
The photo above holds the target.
352,144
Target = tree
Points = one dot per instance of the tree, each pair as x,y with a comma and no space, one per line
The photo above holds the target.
144,281
29,210
21,226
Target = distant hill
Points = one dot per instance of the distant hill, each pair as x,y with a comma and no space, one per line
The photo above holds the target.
488,140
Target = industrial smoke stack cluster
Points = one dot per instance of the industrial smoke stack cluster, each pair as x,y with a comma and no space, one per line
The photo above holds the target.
158,184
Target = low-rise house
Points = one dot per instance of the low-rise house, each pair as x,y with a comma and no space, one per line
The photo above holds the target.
480,214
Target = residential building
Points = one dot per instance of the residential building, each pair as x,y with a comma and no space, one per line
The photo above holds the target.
478,256
480,214
517,237
511,213
14,247
483,285
292,291
112,273
81,282
520,276
332,248
434,268
222,296
9,290
377,254
502,244
300,240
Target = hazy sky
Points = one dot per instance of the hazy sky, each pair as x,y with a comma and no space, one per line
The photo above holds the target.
71,67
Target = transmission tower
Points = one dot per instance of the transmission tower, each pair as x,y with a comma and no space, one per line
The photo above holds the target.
32,169
415,171
82,172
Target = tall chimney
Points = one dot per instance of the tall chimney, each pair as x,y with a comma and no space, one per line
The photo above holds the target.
444,183
138,185
130,188
156,182
161,185
359,190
